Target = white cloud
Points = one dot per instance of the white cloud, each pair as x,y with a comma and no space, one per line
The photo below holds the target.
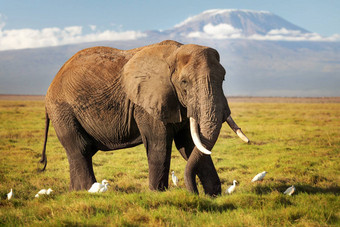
226,31
33,38
220,31
335,37
293,35
284,31
93,27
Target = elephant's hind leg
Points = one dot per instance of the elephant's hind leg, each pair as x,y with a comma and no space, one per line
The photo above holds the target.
81,171
79,148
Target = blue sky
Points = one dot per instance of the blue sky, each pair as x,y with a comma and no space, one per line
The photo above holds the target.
110,18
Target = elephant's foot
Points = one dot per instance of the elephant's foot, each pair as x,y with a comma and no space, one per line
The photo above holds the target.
81,174
159,166
158,181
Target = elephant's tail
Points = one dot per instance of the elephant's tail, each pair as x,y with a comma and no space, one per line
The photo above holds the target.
43,159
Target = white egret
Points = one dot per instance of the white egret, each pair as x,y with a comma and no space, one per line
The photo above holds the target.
104,189
49,191
259,176
174,178
231,189
43,192
10,194
290,190
99,187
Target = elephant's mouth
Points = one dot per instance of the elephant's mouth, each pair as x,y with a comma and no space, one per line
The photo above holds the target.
196,138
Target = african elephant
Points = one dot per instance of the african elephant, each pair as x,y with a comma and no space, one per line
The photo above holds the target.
106,99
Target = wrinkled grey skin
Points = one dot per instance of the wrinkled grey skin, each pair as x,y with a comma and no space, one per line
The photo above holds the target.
107,99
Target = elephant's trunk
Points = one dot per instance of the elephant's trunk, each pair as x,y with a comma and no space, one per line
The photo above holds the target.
202,165
200,162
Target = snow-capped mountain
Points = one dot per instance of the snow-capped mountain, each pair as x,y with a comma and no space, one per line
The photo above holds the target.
231,21
239,24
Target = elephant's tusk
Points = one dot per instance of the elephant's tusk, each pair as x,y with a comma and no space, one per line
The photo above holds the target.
196,138
237,129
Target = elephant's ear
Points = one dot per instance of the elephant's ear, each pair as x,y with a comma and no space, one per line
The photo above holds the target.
146,80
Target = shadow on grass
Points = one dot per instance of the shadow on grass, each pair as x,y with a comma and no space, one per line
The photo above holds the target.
203,205
73,224
193,204
127,189
264,189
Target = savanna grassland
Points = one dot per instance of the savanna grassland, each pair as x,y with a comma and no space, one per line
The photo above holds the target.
297,142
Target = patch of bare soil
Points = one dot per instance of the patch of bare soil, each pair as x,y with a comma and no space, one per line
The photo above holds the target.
284,99
22,97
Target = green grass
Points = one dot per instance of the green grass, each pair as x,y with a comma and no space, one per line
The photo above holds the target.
297,143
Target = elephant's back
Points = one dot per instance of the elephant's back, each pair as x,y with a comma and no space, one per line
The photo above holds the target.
87,71
84,82
87,90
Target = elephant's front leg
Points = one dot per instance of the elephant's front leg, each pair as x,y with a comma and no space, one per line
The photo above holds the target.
157,138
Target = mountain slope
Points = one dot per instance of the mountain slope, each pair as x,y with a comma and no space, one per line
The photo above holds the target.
247,22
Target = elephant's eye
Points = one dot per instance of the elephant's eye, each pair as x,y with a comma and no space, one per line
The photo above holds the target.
184,82
184,85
